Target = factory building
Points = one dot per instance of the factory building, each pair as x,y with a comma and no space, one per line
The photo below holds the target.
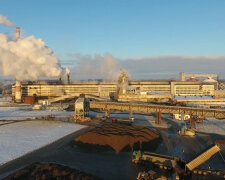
103,89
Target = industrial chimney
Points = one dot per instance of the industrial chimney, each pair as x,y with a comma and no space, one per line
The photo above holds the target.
17,33
18,88
68,75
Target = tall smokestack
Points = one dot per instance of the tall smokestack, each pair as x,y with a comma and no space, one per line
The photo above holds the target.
18,88
17,33
68,75
68,78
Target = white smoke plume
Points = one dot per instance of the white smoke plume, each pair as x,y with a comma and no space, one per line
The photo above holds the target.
67,71
4,20
95,67
152,67
27,59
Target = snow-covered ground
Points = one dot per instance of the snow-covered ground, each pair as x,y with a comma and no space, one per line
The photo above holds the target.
20,138
20,113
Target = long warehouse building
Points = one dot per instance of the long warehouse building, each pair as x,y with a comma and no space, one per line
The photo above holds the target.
49,89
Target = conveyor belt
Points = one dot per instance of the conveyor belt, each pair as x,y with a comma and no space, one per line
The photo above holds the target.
206,155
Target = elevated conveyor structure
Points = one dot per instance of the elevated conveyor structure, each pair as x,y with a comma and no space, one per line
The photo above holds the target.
145,108
203,157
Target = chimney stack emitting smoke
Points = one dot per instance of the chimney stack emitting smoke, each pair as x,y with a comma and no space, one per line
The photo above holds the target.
17,33
68,75
18,88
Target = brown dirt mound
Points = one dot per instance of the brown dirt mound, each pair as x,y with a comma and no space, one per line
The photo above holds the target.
118,136
49,171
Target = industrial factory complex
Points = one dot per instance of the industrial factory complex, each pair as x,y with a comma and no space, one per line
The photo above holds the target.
201,88
177,108
166,129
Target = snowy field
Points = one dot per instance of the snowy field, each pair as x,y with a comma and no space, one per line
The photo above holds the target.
24,112
20,138
21,113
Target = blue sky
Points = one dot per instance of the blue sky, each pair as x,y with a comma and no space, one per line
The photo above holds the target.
123,28
182,33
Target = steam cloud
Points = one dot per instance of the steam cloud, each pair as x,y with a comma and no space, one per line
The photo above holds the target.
27,59
5,21
95,67
153,67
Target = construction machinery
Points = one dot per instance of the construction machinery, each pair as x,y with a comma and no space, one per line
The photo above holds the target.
162,161
178,166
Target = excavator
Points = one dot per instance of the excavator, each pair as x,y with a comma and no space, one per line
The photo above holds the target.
178,166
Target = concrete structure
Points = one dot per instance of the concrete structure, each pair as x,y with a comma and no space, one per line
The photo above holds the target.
18,92
81,107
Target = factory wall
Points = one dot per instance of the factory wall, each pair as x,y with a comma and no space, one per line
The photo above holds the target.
218,94
106,88
192,88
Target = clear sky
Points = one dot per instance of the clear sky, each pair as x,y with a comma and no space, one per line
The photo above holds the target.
148,38
123,28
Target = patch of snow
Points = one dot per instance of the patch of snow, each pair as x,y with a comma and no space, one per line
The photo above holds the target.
24,112
20,138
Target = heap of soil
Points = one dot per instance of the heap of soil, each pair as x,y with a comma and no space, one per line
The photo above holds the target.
49,171
119,137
